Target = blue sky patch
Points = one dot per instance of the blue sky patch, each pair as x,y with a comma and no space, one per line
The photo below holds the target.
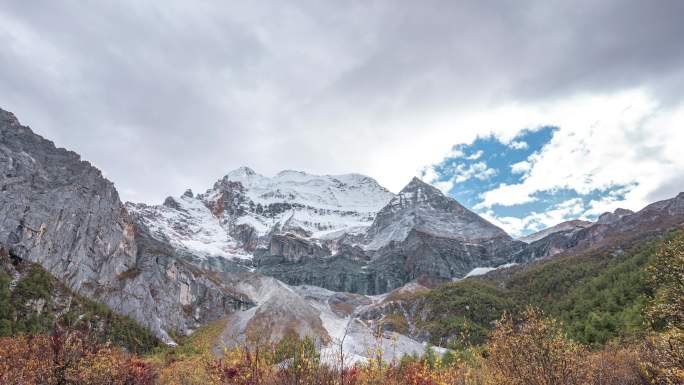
470,170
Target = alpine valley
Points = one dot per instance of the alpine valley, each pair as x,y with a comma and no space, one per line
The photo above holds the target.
337,258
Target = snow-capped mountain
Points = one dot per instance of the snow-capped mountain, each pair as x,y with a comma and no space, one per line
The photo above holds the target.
188,224
421,207
237,215
425,235
345,234
342,232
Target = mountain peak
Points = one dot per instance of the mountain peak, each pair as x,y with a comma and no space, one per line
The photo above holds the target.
425,208
418,191
420,188
608,217
416,182
571,225
8,117
243,175
242,171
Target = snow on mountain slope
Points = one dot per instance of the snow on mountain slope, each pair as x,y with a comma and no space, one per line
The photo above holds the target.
239,212
420,206
189,226
564,226
350,192
484,270
331,318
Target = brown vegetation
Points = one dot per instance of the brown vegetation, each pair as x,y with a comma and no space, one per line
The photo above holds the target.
72,359
531,350
525,349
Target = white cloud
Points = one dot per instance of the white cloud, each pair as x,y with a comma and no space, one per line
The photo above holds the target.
518,145
455,153
486,174
444,186
478,170
321,87
521,167
561,212
462,173
504,195
429,175
603,142
476,155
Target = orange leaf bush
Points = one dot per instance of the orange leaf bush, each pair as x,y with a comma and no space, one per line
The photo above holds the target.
72,360
531,350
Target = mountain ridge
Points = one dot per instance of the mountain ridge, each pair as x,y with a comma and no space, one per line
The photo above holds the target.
306,229
61,213
570,225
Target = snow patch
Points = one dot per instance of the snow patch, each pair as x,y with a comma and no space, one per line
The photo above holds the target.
319,207
190,227
484,270
354,335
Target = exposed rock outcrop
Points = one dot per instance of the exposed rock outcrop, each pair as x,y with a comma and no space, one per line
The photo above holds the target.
344,233
60,212
622,227
423,208
563,227
420,234
608,218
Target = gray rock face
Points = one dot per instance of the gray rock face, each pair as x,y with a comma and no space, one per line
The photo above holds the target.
608,218
295,249
550,245
58,211
624,225
423,208
420,235
425,257
337,273
573,225
423,234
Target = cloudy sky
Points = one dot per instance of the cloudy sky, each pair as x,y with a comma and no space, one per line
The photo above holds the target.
528,112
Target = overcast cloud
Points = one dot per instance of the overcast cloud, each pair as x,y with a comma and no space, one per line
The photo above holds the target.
173,94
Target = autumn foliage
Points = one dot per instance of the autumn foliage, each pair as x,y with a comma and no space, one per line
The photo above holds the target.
68,359
529,350
524,348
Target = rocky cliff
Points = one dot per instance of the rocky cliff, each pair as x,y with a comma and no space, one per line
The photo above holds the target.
197,258
423,208
420,235
423,234
293,214
344,232
60,212
622,227
568,226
